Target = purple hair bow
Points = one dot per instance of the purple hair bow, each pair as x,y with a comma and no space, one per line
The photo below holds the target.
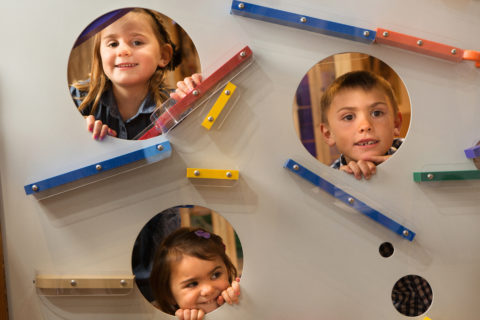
202,234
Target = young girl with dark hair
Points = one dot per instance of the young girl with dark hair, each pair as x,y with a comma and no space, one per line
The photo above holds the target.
192,275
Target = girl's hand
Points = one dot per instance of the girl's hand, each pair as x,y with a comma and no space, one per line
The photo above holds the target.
231,294
189,314
98,129
185,86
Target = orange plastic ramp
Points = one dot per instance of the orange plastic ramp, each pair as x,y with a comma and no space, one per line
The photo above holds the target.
427,47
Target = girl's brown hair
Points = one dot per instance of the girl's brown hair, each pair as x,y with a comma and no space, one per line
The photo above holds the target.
194,242
98,82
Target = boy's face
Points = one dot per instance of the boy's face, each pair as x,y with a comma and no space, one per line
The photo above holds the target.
361,123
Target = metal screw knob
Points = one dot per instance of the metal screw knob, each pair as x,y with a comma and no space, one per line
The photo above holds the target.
243,54
98,167
241,6
123,283
351,200
385,34
296,167
210,118
35,188
405,233
196,173
160,147
420,43
366,33
303,19
430,176
227,92
229,174
73,283
195,92
454,51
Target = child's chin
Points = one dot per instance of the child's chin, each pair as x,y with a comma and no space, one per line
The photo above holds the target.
370,153
208,307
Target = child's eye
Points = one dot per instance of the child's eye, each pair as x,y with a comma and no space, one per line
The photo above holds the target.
192,284
377,113
216,275
112,44
137,43
348,117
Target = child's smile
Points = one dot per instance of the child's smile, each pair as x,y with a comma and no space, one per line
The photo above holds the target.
126,65
130,51
361,123
197,283
366,143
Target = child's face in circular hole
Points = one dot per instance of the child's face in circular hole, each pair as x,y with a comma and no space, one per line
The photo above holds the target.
361,123
197,283
130,51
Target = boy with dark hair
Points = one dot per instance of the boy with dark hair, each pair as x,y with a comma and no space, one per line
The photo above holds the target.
360,116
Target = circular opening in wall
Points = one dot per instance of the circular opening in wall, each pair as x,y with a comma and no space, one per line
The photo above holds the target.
123,65
351,107
182,251
386,249
412,295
